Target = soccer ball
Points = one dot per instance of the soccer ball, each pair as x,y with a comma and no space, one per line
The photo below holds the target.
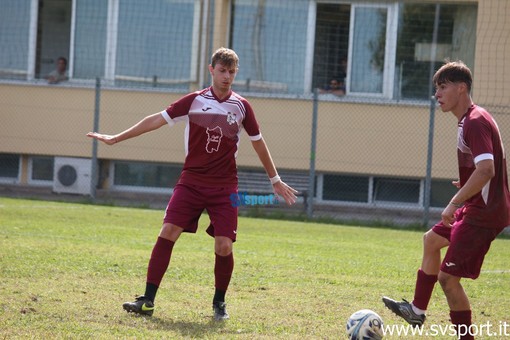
365,324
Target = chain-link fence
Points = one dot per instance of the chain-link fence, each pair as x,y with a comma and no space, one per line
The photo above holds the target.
342,92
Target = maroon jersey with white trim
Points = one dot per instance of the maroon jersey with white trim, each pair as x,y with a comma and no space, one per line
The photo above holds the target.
479,139
212,133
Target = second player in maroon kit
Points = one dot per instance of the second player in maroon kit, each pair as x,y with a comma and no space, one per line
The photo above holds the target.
476,214
214,119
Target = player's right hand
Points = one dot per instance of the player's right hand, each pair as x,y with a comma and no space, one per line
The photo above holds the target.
107,139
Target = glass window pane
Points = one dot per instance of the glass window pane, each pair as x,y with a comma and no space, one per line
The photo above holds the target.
396,190
368,50
9,165
270,38
345,188
42,168
155,40
441,192
146,174
456,40
331,44
14,34
90,38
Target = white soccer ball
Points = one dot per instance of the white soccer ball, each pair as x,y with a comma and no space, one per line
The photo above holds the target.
365,324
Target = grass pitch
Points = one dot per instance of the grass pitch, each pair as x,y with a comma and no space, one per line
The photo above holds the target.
66,269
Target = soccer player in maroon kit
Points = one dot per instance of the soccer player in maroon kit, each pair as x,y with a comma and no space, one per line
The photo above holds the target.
214,117
476,214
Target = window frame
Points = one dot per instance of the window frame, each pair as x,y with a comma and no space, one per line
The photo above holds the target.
138,188
17,178
30,173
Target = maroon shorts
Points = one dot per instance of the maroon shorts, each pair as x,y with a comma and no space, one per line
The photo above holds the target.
188,202
468,246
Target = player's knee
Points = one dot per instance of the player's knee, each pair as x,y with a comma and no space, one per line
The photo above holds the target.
170,232
428,241
446,281
223,246
432,241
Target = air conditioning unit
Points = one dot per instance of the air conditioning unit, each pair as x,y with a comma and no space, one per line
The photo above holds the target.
72,175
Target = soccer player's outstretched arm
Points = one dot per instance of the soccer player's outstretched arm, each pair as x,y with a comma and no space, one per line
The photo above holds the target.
280,188
149,123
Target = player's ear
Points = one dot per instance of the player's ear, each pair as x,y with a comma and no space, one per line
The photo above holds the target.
463,87
211,69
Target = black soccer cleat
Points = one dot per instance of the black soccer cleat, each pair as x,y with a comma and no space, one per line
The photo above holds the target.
141,305
220,311
405,310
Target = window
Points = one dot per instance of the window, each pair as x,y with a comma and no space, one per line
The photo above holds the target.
345,188
41,170
391,56
90,36
396,190
129,42
379,49
53,35
331,44
14,39
441,192
271,39
9,167
148,175
156,42
455,40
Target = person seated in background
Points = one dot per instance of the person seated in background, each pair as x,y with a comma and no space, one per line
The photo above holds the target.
60,73
334,87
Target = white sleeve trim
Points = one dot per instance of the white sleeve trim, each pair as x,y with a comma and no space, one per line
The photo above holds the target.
167,118
483,157
256,137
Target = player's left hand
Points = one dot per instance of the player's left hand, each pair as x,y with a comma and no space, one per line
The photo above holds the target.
447,216
288,193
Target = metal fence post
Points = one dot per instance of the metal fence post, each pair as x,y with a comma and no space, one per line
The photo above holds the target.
428,178
94,170
313,147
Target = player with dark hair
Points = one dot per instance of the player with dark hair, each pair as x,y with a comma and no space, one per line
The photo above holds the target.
214,119
476,214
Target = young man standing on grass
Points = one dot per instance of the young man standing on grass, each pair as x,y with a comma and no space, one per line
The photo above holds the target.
476,214
214,119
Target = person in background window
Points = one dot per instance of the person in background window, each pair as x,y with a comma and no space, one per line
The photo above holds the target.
215,117
60,73
476,214
335,87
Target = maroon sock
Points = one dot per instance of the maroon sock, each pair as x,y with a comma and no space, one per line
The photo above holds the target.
423,291
462,322
160,259
223,268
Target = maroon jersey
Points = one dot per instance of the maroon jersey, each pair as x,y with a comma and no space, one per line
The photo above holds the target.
211,137
479,139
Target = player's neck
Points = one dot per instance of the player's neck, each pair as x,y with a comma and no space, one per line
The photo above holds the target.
462,108
220,93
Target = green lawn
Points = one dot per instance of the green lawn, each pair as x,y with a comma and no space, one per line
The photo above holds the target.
66,269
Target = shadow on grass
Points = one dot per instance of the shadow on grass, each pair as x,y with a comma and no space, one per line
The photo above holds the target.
193,329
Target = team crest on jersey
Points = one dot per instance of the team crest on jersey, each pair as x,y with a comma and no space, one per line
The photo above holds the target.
231,118
213,139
